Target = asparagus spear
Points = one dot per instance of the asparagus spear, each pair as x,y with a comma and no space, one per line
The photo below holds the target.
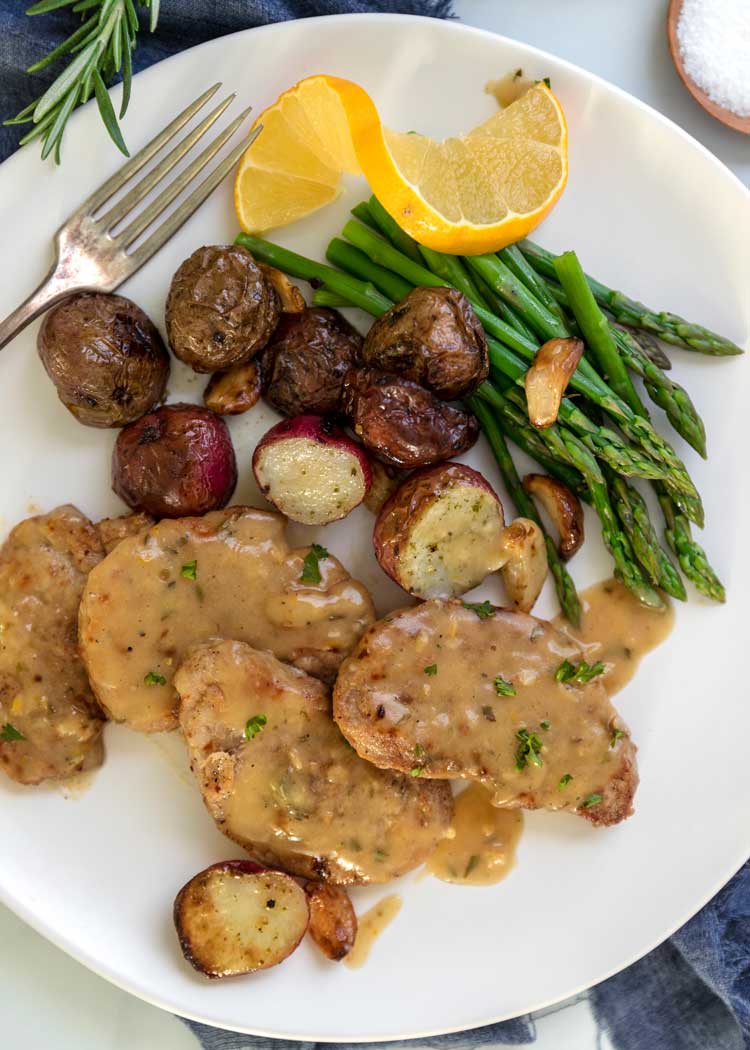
690,555
564,585
595,329
391,229
517,262
352,260
669,327
322,297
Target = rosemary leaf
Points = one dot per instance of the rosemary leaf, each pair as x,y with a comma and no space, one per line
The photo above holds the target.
107,113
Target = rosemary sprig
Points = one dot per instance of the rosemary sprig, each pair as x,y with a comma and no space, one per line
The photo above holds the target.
99,49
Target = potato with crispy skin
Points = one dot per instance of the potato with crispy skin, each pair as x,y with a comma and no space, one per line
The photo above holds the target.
306,360
278,777
221,309
237,917
439,534
333,924
310,470
175,462
434,338
473,692
401,423
105,357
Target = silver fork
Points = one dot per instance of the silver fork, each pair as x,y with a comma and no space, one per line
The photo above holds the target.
90,256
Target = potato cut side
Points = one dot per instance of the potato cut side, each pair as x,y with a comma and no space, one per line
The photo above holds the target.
237,917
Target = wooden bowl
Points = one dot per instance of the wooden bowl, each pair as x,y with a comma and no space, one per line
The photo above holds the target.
719,112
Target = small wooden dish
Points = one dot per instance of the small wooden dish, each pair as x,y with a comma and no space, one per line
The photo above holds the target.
719,112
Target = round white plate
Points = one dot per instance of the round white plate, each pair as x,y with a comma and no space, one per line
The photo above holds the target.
652,212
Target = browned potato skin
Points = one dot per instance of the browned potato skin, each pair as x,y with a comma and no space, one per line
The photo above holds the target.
434,338
176,462
406,506
333,924
305,362
401,423
235,391
221,309
105,357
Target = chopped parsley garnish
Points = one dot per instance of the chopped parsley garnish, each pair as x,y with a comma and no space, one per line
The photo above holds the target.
154,678
581,673
311,564
503,687
254,725
10,733
484,610
529,749
417,771
472,864
544,724
418,751
616,734
431,670
565,779
592,800
189,570
380,855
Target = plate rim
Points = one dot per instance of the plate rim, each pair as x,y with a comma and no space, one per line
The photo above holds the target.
82,957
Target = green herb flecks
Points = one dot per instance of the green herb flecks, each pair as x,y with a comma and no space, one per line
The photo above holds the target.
580,673
545,724
565,779
154,678
503,687
189,570
591,800
529,749
472,864
431,670
9,733
484,610
311,565
416,771
254,725
616,734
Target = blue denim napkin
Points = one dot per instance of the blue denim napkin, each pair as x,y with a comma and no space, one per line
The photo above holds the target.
691,993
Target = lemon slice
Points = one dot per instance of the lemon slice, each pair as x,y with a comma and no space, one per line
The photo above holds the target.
466,195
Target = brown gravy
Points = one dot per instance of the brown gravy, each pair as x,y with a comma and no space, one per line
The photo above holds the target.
481,846
618,630
370,926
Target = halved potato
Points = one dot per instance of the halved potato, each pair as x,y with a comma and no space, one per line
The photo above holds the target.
439,535
237,917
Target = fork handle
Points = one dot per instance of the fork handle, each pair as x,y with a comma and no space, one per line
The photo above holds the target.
54,287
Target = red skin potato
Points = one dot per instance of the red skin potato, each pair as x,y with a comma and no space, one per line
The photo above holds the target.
319,430
417,492
175,462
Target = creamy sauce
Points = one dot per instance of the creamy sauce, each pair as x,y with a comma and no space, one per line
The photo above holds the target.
369,928
44,692
436,691
296,793
480,848
229,574
618,630
74,788
509,88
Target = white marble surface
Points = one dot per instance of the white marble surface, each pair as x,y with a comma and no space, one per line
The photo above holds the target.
50,1002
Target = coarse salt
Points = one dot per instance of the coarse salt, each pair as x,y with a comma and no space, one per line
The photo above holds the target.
714,39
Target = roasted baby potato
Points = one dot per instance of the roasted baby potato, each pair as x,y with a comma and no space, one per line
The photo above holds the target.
524,562
237,917
563,506
310,470
105,357
434,338
333,924
279,779
401,423
233,392
305,362
440,533
175,462
221,309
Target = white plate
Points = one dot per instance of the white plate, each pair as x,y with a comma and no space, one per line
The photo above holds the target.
651,211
